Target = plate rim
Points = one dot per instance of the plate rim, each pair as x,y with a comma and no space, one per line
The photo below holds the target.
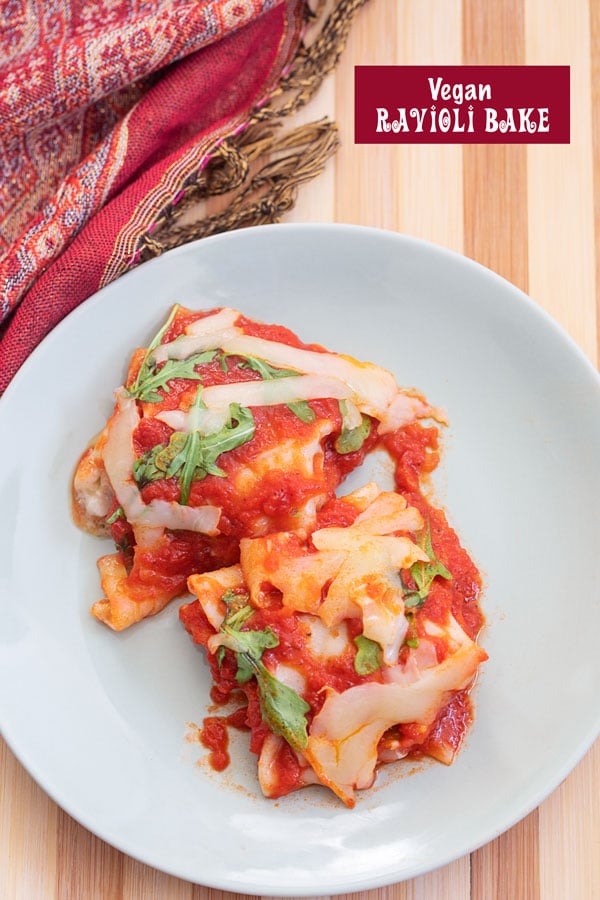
368,881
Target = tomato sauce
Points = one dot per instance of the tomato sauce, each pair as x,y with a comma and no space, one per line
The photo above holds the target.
215,737
276,497
414,450
273,495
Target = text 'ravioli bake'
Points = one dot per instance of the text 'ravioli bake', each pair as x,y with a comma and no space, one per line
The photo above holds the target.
342,629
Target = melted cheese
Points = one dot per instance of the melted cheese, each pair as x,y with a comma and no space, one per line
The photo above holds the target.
209,589
352,573
277,561
201,335
119,457
371,389
387,513
369,581
343,738
301,454
119,609
218,398
325,643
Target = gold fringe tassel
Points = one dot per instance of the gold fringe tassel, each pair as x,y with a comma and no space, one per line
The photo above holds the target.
295,157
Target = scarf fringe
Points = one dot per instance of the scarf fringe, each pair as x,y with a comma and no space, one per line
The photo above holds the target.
261,194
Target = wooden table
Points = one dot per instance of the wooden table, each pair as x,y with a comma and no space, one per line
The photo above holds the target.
526,212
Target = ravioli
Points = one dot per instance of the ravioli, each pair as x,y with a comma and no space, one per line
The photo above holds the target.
343,628
346,645
224,429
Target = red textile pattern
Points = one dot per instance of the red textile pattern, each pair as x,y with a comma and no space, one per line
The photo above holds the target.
108,109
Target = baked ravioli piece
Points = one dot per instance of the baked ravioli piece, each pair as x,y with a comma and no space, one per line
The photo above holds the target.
352,648
225,429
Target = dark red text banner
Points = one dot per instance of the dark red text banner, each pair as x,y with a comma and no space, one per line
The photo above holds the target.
462,105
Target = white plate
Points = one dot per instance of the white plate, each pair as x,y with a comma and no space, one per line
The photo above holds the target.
99,719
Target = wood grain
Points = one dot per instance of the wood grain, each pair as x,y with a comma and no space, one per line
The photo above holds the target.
533,215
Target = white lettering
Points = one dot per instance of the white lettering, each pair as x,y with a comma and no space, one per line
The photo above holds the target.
525,123
491,119
419,115
442,90
434,88
457,127
382,120
401,123
524,119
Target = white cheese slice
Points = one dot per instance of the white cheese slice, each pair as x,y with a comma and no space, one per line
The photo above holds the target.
203,334
218,398
371,389
119,457
343,738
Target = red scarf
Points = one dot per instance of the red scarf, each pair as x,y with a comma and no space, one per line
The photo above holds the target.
108,111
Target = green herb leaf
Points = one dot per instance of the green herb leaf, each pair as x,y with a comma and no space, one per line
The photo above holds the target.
252,646
266,371
368,657
192,456
119,513
424,573
252,643
237,617
283,709
352,439
413,600
145,468
147,362
249,646
146,388
234,601
411,639
236,432
301,409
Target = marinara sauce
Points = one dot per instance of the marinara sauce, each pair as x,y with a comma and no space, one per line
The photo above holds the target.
414,450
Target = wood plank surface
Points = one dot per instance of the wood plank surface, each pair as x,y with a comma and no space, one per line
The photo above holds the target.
533,215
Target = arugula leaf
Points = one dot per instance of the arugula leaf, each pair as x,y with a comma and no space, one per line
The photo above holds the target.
155,378
411,639
352,439
266,371
424,573
145,469
237,617
368,655
147,360
119,513
282,708
256,642
247,661
192,456
234,601
249,645
301,409
237,431
413,600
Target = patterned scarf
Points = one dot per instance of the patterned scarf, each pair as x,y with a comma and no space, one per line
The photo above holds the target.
113,113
